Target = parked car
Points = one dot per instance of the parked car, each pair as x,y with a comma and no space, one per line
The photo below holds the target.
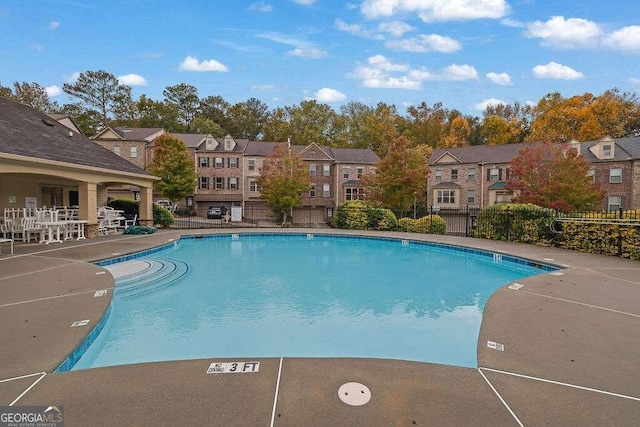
216,212
166,204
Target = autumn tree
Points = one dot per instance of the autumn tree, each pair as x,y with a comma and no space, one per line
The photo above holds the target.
171,162
33,95
247,118
426,124
283,179
553,176
458,136
100,90
400,176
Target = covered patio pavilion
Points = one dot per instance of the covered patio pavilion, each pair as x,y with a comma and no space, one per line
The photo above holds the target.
45,163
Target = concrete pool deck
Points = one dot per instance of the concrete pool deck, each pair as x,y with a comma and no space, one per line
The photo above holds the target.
571,352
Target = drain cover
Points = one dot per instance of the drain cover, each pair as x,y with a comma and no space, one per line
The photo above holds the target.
354,394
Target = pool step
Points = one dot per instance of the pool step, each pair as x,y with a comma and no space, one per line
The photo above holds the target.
159,274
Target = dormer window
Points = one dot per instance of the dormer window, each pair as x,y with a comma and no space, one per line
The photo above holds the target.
229,143
606,150
209,143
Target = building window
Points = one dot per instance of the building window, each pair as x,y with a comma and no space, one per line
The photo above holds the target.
494,174
325,190
471,196
591,173
503,197
353,193
218,162
606,150
614,203
471,173
232,162
228,144
252,185
233,183
219,182
312,192
446,196
454,174
203,162
359,172
204,183
312,169
116,150
438,175
209,144
251,165
133,151
615,176
326,170
346,172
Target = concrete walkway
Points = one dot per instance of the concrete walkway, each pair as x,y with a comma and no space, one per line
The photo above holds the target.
571,353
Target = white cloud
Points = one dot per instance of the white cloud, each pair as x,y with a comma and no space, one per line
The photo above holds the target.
530,103
263,88
328,95
625,39
132,80
437,10
512,23
459,72
502,79
53,90
305,2
396,28
481,106
36,46
553,70
356,30
380,72
634,81
261,6
425,43
302,48
307,52
72,78
53,25
191,63
572,33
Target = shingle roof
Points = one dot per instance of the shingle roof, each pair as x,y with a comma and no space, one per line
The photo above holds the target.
626,148
30,133
264,148
191,140
355,155
481,153
136,134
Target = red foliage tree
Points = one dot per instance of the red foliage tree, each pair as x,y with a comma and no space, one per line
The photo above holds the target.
553,176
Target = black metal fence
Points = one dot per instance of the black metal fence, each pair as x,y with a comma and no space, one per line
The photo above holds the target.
613,233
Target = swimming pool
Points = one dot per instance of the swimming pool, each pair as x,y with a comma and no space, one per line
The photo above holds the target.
271,295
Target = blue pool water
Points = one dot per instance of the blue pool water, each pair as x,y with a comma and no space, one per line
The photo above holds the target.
248,296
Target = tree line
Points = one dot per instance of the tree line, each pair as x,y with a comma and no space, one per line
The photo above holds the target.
100,100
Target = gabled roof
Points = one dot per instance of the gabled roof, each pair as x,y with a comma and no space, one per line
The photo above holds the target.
65,120
30,133
192,140
310,152
355,155
480,153
626,149
129,134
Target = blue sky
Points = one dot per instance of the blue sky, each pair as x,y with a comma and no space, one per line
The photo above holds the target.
463,53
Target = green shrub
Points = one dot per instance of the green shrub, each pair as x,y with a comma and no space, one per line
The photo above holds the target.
388,220
352,215
516,222
407,224
161,216
433,224
130,207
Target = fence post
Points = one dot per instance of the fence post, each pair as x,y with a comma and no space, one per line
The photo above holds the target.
466,223
621,214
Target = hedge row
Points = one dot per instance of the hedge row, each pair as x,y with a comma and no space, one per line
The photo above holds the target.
357,215
588,232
